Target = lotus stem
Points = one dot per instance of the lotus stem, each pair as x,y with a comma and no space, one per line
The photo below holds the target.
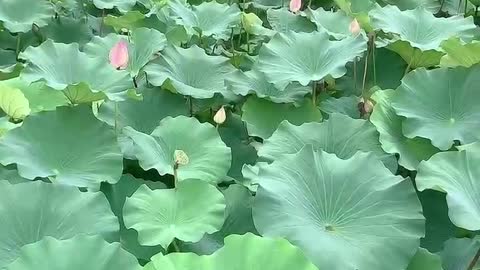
365,69
466,7
474,260
248,43
355,74
190,105
374,60
102,22
19,39
175,176
116,117
314,93
409,64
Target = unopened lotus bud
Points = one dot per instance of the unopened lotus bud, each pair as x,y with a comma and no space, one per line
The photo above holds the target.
119,55
220,116
180,157
354,27
295,5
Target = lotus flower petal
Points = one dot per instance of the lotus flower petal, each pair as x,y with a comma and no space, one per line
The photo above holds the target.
119,55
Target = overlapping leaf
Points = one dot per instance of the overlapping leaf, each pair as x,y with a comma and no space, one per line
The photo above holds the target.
20,15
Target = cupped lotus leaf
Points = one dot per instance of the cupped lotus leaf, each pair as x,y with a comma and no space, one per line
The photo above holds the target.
238,220
144,44
458,253
191,72
77,253
255,82
347,105
456,174
187,212
263,117
207,19
64,145
288,57
459,54
339,135
13,102
246,251
415,57
20,15
425,260
208,156
31,211
335,23
8,61
122,5
284,21
389,125
353,210
64,67
254,25
116,195
440,105
420,28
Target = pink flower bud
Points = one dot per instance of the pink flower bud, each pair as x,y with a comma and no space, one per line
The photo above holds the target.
220,116
295,5
354,27
119,55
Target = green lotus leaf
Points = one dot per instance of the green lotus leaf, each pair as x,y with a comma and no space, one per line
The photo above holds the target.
455,173
336,24
40,97
459,54
143,46
19,15
10,174
191,72
458,253
6,125
431,5
13,102
187,212
241,252
339,135
389,125
344,105
456,7
254,25
254,81
267,4
425,260
78,253
121,5
116,195
208,157
439,105
31,211
284,21
207,19
367,217
288,57
415,57
68,30
64,67
8,61
263,117
238,220
64,145
420,28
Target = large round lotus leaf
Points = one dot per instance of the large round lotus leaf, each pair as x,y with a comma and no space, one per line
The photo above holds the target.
69,145
187,212
143,115
240,252
284,21
8,61
78,253
440,105
431,5
206,19
122,5
458,253
19,15
63,66
254,81
33,210
13,102
238,220
144,44
353,210
457,174
10,174
208,156
68,30
420,27
347,105
459,54
415,57
191,71
116,195
263,117
389,125
288,57
336,23
424,260
339,135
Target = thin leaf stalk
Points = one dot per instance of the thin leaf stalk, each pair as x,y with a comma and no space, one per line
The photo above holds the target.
474,260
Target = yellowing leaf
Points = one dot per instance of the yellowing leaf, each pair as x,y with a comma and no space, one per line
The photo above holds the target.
13,102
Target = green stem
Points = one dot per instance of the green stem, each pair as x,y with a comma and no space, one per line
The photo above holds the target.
248,43
466,7
364,81
175,176
476,11
190,105
374,59
102,22
19,39
355,74
409,64
314,93
116,118
474,260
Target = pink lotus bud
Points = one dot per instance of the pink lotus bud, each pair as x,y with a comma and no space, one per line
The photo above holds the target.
354,27
220,116
295,5
119,55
